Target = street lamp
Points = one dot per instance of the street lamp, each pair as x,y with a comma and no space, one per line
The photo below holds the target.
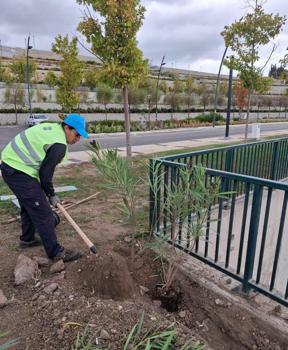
229,98
29,47
159,72
217,87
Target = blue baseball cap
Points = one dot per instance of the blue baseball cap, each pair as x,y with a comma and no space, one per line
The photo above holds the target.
78,123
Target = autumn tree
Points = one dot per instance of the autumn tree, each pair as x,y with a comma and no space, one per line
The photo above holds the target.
113,41
240,93
245,37
71,72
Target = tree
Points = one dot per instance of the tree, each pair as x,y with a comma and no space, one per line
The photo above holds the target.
91,78
50,79
245,37
240,93
105,95
284,61
275,72
173,100
189,89
2,71
13,76
163,86
151,95
15,94
113,41
71,72
18,69
204,94
136,96
267,101
83,97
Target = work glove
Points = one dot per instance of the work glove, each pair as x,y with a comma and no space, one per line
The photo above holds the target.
54,200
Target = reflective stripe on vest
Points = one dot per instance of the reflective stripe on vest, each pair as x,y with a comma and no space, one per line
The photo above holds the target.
21,155
27,150
27,144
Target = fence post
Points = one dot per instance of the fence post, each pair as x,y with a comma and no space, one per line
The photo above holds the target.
229,160
229,164
252,237
275,157
152,212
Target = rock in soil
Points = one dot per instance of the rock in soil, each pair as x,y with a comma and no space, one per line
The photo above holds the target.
50,288
41,261
26,269
3,299
104,334
57,267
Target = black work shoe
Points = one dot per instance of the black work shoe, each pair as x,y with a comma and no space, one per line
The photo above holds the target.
28,244
67,255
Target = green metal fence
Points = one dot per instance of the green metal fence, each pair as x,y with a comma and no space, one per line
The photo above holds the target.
245,235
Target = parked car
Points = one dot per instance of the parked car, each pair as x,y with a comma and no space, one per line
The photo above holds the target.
35,119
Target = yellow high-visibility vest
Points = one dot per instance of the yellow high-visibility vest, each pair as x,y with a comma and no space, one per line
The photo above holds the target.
27,150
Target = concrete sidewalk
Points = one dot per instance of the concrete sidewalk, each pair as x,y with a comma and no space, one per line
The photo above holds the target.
84,156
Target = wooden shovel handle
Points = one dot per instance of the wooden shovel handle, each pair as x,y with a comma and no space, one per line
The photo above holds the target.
77,229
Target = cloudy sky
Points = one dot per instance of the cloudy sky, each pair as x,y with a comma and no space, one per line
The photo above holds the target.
187,32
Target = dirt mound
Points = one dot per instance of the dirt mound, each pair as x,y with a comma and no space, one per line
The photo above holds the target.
106,275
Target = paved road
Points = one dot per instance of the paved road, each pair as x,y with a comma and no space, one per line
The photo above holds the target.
138,139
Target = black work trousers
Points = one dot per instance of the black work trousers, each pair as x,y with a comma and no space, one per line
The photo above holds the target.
36,213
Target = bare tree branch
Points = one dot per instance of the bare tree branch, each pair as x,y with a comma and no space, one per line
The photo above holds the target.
268,59
88,50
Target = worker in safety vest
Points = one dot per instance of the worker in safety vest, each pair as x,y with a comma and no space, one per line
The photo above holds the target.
28,165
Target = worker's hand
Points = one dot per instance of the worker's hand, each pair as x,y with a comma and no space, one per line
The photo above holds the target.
54,200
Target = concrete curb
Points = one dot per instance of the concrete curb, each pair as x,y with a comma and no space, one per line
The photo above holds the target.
135,133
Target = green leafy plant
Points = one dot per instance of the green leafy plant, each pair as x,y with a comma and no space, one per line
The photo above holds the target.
187,205
154,338
118,177
83,343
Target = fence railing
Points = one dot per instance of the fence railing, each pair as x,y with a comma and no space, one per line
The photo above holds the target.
245,236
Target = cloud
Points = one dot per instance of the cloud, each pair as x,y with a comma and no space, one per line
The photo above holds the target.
41,18
187,32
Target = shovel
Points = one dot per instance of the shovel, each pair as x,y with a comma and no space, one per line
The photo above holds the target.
91,246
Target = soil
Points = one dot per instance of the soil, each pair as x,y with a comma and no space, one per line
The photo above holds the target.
106,294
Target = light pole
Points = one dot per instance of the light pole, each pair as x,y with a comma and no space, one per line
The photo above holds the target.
217,87
159,72
29,47
229,99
